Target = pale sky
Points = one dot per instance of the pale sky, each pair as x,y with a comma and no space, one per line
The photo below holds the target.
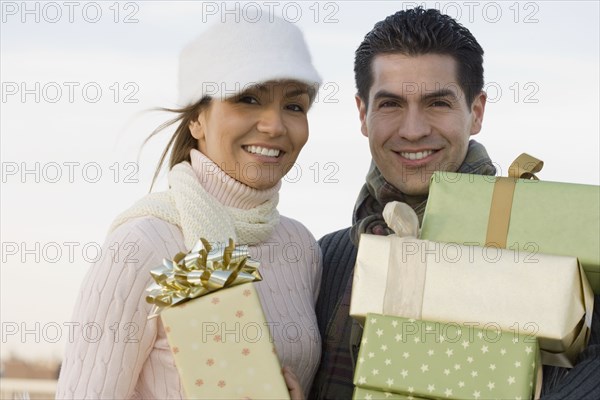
541,71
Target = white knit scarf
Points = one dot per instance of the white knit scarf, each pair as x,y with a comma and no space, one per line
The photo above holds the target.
189,206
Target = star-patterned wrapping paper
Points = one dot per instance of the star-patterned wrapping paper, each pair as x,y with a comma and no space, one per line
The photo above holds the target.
223,348
366,394
445,360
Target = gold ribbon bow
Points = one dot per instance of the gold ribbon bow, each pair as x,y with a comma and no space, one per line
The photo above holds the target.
524,167
199,272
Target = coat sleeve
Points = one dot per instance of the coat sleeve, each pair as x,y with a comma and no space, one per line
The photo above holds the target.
583,380
111,335
317,265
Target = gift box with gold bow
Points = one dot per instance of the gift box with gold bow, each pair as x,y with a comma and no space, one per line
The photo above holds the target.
542,295
519,214
215,325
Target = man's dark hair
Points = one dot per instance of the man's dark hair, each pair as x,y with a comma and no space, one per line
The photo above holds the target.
417,32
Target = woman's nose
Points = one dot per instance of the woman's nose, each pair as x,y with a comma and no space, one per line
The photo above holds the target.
271,122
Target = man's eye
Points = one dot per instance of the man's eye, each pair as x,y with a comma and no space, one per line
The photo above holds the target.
440,103
386,104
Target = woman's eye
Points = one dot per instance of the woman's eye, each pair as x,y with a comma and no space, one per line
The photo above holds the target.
248,99
295,107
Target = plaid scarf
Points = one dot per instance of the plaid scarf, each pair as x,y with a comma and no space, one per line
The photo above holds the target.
377,192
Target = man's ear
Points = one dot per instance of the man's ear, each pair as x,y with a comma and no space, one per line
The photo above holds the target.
362,114
477,111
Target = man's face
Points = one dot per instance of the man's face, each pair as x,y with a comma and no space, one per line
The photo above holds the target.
418,120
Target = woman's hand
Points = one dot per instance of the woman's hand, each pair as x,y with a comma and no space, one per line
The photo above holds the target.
293,384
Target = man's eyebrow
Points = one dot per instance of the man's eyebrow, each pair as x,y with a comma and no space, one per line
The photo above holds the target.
440,94
388,95
427,96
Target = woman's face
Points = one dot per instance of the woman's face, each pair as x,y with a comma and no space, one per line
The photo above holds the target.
256,136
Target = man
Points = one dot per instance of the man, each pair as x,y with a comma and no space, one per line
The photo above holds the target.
419,76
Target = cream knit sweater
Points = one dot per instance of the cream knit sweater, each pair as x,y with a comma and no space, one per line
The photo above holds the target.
116,353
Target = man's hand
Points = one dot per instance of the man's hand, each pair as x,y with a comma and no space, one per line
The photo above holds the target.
293,384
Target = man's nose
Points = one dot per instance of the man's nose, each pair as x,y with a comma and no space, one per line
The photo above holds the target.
414,125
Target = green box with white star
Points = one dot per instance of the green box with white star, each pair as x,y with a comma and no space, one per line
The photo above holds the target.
366,394
434,360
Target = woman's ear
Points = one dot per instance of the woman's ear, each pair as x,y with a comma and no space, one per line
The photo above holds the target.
196,129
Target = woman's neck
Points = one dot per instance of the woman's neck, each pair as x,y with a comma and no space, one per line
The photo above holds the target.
224,188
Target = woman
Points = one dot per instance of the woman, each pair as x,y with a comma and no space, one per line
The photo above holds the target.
246,89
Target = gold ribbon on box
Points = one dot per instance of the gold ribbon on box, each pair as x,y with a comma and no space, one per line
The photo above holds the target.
405,285
201,271
524,167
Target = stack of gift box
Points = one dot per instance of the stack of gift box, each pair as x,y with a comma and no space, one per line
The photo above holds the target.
500,281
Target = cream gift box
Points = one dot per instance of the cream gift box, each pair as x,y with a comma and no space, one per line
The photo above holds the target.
220,339
534,294
518,214
222,346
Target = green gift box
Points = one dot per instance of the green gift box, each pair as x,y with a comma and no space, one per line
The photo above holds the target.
518,214
366,394
426,359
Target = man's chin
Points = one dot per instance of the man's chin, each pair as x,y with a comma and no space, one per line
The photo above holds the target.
410,182
413,188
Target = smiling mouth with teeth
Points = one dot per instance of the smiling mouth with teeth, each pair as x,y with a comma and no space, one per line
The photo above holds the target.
416,156
263,151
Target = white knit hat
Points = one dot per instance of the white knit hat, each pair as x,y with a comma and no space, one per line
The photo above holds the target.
232,56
